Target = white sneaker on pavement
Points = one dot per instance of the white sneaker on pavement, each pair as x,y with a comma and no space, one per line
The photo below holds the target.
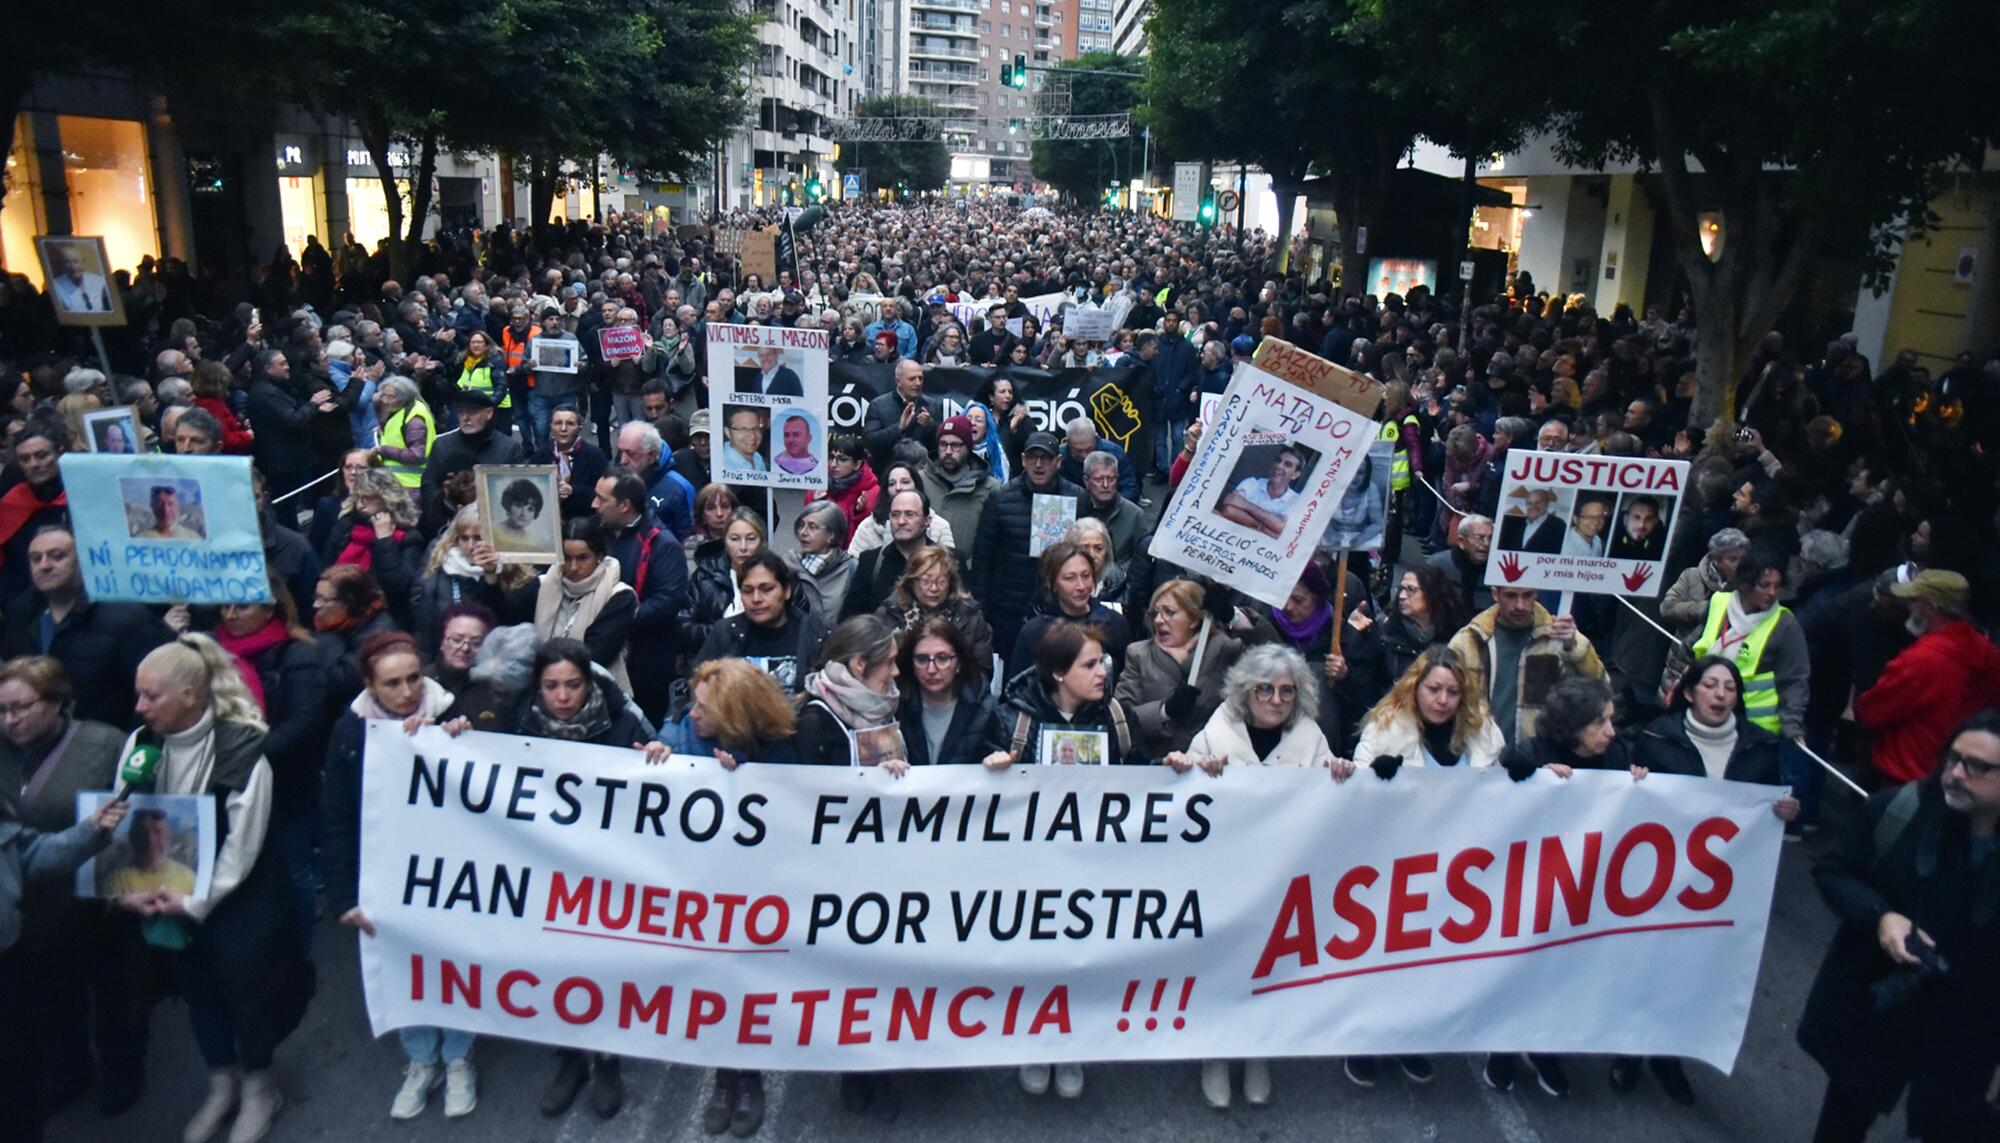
209,1117
1035,1078
419,1080
1257,1082
461,1088
1215,1083
1069,1080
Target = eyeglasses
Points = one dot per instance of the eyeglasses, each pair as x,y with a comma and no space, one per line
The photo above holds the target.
933,581
20,709
1269,691
464,642
940,661
1974,767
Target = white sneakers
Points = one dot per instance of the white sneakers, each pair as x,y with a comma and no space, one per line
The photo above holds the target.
261,1103
208,1118
1257,1082
1215,1083
461,1089
1068,1077
419,1080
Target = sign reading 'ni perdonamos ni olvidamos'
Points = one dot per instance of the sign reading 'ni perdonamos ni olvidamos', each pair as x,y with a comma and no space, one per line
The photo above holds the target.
1569,522
837,919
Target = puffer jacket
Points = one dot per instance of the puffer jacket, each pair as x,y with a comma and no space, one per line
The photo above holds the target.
1027,709
1003,573
711,591
976,730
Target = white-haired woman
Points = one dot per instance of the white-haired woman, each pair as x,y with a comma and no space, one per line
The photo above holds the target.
235,953
1269,717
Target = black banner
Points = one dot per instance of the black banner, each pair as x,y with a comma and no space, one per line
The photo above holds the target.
1117,399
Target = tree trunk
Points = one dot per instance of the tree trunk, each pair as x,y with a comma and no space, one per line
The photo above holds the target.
1288,189
374,128
420,186
543,173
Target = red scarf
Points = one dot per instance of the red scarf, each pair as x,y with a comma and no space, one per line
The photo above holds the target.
360,549
19,506
247,647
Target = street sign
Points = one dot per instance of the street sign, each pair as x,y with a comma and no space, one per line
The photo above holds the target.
1227,200
850,187
1187,191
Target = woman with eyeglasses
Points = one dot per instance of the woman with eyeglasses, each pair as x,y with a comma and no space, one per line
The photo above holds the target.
462,632
851,483
931,588
824,568
1157,671
1268,717
1428,611
947,716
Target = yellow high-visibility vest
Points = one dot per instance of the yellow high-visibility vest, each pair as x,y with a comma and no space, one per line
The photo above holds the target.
1760,688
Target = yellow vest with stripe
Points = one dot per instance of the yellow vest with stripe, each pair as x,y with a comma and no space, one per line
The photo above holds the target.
1399,458
411,475
1760,688
487,377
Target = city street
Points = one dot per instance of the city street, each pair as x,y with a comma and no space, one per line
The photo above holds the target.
338,1084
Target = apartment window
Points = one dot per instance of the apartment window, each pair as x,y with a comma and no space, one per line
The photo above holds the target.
985,27
1020,148
1006,9
982,74
982,54
1006,32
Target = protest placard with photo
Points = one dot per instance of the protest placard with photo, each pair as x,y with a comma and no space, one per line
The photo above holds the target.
113,431
1073,747
1256,501
519,512
1594,524
767,397
1051,517
152,528
1080,324
167,841
554,354
874,745
79,277
1361,515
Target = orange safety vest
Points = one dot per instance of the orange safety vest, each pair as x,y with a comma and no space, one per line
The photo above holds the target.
517,351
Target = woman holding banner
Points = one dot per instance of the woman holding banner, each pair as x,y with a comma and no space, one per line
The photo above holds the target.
1706,733
235,953
394,687
736,712
572,699
1268,717
1434,715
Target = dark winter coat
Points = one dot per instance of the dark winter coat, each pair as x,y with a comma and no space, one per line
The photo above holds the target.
397,565
975,730
293,677
1665,748
797,643
1027,708
98,644
1003,573
711,589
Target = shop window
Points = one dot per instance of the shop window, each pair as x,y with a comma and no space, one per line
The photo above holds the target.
109,173
21,216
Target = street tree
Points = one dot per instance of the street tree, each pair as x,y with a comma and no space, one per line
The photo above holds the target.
1278,85
918,164
1083,168
1809,127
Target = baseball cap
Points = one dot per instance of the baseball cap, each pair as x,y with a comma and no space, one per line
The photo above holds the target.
960,427
1042,442
699,423
1934,585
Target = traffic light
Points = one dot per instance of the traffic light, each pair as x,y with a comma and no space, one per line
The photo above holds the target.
815,190
1020,70
1207,211
792,193
1006,75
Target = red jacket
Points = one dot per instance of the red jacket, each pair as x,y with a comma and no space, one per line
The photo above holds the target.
1925,694
236,440
857,501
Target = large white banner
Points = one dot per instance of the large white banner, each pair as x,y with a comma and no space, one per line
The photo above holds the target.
1253,505
767,405
1569,522
827,918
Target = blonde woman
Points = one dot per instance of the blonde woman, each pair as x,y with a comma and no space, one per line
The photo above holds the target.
463,568
932,588
1434,715
377,532
235,953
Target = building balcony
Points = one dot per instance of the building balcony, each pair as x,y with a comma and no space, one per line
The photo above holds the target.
934,26
947,5
963,78
943,52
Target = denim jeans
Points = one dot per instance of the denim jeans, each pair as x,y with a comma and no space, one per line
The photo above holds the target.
532,433
435,1045
1167,443
540,410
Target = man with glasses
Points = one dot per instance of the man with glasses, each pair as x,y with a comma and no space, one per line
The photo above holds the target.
742,455
958,482
1906,996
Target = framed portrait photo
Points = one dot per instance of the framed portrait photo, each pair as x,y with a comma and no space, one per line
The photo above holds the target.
1073,747
79,277
519,512
167,841
554,354
112,431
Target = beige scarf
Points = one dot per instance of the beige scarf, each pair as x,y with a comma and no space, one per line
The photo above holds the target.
565,610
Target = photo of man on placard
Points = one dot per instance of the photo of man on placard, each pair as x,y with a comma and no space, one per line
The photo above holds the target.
80,281
1263,501
1530,523
766,371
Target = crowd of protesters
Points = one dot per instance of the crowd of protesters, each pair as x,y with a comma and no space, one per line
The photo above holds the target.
1828,588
